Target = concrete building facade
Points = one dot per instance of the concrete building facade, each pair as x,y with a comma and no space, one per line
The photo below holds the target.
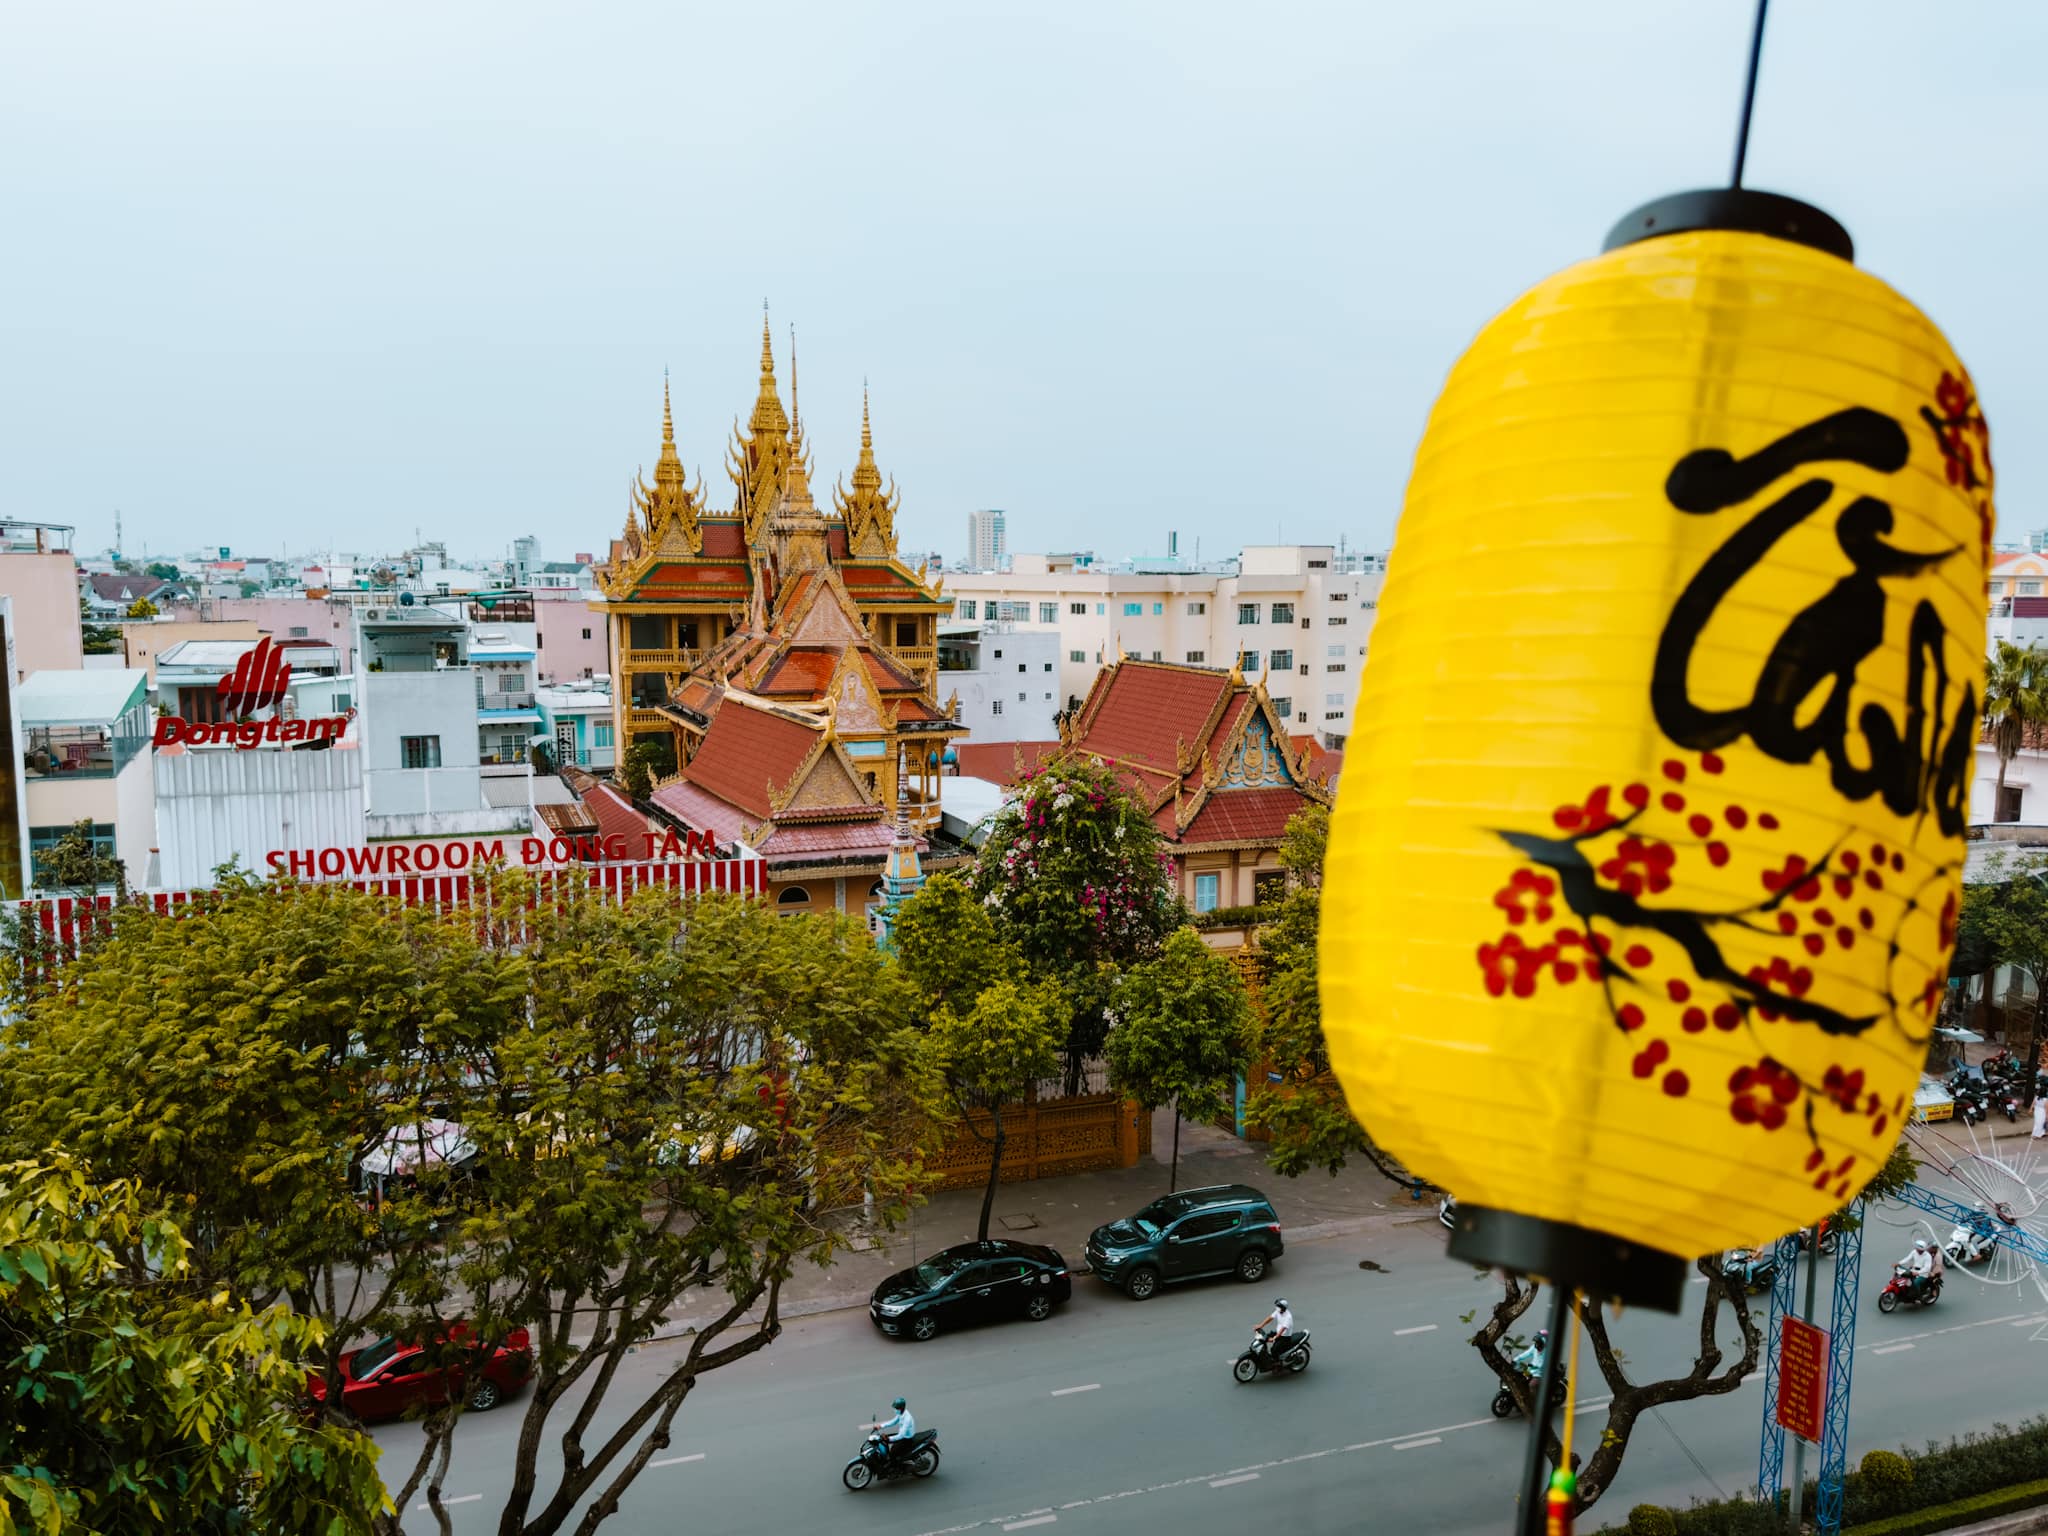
1002,682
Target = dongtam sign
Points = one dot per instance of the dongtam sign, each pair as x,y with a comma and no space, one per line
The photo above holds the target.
259,681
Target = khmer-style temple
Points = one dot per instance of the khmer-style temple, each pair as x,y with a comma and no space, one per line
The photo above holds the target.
781,660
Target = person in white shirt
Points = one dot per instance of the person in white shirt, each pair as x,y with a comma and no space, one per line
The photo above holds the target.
1918,1265
1280,1320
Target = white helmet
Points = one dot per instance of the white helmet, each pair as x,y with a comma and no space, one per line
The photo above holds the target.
1920,1244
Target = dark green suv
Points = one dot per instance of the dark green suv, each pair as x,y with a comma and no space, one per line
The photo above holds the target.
1223,1230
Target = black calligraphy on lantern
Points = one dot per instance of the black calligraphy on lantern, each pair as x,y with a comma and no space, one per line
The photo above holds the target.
1802,704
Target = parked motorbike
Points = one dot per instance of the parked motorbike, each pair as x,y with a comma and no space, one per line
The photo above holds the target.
1504,1400
1900,1291
1757,1268
1970,1107
878,1462
1291,1356
2009,1101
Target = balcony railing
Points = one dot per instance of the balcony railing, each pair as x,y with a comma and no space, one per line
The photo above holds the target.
667,661
648,720
504,700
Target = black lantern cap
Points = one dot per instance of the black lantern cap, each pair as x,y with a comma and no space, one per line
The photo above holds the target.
1569,1257
1736,208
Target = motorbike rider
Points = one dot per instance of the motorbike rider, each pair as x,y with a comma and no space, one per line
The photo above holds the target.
1530,1360
1280,1321
1983,1232
1917,1266
899,1429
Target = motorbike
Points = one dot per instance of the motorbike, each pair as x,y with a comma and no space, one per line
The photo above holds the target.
1829,1241
1900,1291
1967,1246
1970,1106
1291,1356
1757,1268
2009,1101
877,1462
1504,1400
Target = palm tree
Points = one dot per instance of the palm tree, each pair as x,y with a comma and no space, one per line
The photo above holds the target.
2015,704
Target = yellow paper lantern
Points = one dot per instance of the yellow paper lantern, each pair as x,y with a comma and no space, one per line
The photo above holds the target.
1644,871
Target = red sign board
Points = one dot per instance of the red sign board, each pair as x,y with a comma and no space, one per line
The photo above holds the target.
1802,1377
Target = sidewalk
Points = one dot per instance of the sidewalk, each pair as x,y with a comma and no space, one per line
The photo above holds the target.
1062,1212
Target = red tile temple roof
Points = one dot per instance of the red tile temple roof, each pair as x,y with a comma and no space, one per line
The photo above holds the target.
996,761
1243,816
1148,709
745,752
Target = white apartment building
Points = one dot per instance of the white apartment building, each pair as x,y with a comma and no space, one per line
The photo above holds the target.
987,542
1292,613
1006,678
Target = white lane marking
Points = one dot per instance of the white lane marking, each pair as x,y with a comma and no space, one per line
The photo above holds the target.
1699,1279
1093,1386
1402,1333
676,1461
1230,1482
467,1498
1025,1525
1416,1445
1891,1349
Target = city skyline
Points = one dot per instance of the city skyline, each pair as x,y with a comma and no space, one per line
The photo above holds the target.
1142,267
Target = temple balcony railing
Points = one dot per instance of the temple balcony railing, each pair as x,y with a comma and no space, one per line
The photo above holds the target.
666,661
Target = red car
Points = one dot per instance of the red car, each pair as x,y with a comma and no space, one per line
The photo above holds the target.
384,1379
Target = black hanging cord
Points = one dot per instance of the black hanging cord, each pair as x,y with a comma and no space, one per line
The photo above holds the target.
1756,53
1535,1469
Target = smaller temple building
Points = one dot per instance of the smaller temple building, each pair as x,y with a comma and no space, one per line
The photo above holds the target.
1209,756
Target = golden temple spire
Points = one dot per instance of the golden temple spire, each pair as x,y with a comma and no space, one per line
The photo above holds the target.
869,514
668,421
670,500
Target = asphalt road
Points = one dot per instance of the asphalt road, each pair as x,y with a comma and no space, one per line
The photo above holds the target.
1117,1416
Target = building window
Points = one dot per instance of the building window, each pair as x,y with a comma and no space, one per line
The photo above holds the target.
795,896
1283,707
1268,886
2009,802
1133,610
1282,660
1340,597
1048,698
586,634
297,632
1336,650
999,653
421,751
1247,613
1022,667
2030,589
1319,565
1098,610
1080,656
1079,608
1333,698
965,607
1048,613
1195,658
1283,613
906,634
600,733
42,840
1023,698
1334,619
1158,609
1335,666
1333,714
1248,661
1157,656
649,632
995,706
1208,892
1195,610
1048,666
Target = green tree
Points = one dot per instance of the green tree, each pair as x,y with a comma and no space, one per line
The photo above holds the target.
135,1405
948,945
2015,704
644,763
993,1052
1305,1113
96,639
2004,921
249,588
142,608
74,863
1182,1032
162,570
1079,879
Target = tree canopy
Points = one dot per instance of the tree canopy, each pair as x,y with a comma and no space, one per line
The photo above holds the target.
1182,1033
138,1404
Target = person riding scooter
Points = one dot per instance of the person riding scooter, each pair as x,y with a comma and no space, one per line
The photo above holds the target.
1918,1268
1280,1321
1530,1360
899,1429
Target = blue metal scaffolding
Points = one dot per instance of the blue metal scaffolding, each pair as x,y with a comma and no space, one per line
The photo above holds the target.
1770,1477
1834,1439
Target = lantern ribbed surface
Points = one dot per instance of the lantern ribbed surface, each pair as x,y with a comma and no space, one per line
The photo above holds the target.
1643,878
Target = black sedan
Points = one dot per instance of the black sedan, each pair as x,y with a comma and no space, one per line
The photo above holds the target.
972,1283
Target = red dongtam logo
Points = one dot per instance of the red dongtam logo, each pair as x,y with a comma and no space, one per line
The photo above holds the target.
258,680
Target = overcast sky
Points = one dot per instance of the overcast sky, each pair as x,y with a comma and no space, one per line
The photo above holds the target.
322,275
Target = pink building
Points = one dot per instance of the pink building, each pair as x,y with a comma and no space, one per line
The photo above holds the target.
47,633
284,618
568,636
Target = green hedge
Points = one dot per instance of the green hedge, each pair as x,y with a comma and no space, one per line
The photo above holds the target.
1985,1506
1984,1474
1234,917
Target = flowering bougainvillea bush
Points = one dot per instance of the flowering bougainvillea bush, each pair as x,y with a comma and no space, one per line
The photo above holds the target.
1077,876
